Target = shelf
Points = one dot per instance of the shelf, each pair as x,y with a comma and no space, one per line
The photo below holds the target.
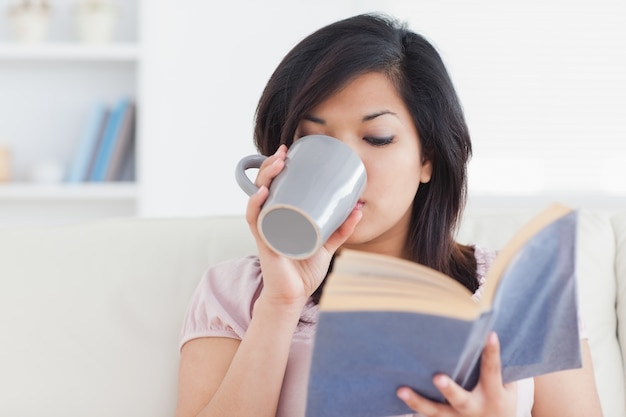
70,51
68,192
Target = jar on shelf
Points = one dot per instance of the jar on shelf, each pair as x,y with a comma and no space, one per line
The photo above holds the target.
30,20
96,21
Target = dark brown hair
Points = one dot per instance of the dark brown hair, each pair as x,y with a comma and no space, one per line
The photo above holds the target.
326,60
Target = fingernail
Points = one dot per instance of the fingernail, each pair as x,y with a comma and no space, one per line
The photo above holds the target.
493,338
403,394
441,381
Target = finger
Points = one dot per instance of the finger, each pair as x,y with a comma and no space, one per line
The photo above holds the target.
271,167
343,233
422,405
490,366
268,170
459,398
255,202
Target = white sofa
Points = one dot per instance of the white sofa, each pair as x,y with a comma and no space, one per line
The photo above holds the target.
90,314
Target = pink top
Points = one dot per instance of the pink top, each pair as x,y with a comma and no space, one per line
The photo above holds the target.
222,307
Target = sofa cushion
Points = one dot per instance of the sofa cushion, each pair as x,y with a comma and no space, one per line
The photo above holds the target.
619,227
597,293
90,315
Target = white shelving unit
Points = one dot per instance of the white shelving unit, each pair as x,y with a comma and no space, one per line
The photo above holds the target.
17,192
69,51
48,89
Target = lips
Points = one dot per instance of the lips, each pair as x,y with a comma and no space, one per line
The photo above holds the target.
359,205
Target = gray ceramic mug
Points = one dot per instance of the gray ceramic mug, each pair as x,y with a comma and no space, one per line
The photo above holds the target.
312,196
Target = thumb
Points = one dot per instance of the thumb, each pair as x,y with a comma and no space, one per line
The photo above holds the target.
343,233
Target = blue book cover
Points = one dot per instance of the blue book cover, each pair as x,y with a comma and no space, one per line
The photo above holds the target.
79,168
107,146
386,322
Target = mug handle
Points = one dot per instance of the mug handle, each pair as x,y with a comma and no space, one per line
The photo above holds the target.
248,162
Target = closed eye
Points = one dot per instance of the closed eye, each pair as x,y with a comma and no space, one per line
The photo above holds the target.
379,141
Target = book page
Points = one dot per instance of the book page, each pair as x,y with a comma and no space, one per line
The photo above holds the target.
363,281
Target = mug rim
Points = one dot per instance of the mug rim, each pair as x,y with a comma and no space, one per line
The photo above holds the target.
318,234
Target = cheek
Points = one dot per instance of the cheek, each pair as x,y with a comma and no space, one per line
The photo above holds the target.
395,181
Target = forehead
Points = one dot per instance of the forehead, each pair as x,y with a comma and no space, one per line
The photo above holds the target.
365,94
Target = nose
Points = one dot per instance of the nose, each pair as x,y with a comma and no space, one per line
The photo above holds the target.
348,139
354,142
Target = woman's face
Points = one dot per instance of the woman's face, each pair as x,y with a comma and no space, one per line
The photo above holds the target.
370,116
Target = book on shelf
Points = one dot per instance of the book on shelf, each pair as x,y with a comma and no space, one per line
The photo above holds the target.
116,141
88,144
123,148
385,322
127,171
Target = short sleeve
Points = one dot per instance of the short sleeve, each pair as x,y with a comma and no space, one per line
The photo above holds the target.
484,259
221,305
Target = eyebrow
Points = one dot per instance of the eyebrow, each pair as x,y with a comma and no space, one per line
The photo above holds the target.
378,114
366,118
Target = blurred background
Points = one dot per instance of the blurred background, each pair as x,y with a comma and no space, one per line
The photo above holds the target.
143,108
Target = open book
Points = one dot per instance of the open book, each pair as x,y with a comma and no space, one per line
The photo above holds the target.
386,322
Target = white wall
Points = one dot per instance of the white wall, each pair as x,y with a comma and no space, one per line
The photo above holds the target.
542,82
205,67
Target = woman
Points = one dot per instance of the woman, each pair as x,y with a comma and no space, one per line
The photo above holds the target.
384,91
